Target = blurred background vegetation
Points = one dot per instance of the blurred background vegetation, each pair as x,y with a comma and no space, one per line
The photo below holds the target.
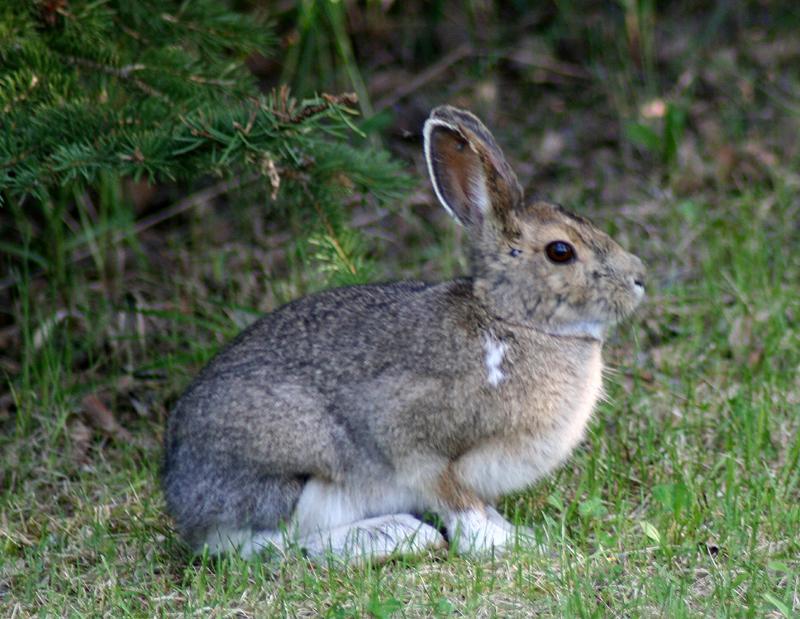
171,170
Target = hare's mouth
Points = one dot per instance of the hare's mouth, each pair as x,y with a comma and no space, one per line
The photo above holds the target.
622,309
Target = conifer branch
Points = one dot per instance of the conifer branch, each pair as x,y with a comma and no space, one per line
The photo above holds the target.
93,93
331,233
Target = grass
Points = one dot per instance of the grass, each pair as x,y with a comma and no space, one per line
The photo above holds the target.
684,500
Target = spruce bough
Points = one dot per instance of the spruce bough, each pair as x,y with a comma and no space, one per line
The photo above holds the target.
159,91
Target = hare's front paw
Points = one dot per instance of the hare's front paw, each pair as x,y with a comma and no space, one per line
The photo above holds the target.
477,531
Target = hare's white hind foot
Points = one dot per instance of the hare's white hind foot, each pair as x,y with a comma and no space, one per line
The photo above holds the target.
482,531
245,542
374,539
474,532
524,536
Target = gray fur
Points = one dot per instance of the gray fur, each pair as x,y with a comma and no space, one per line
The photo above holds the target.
385,386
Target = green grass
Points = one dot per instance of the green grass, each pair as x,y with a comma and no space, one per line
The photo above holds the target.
684,500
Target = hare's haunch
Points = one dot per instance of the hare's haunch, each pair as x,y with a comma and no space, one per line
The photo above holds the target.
329,422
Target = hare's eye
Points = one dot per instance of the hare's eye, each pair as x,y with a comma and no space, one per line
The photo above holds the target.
560,252
514,252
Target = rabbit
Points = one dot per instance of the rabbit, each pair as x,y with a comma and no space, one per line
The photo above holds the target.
332,421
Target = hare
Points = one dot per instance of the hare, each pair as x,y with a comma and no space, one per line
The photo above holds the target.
330,422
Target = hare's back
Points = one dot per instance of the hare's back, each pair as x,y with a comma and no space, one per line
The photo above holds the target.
344,336
325,368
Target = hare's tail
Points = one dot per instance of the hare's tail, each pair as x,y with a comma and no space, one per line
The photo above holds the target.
227,505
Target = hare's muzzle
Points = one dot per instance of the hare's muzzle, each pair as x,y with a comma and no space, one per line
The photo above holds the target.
638,278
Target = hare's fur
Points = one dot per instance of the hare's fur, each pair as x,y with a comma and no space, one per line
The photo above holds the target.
329,422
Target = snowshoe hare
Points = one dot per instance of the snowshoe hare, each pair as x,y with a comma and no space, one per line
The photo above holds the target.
332,421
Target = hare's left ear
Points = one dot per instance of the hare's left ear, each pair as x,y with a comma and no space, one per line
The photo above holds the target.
469,173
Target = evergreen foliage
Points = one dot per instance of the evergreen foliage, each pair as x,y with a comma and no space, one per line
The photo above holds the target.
158,90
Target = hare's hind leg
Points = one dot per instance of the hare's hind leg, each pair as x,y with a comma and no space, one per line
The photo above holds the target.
230,508
373,539
244,542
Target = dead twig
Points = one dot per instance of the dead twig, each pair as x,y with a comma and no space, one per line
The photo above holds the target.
459,53
284,106
124,73
101,417
465,50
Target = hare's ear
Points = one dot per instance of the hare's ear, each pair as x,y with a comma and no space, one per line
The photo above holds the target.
469,173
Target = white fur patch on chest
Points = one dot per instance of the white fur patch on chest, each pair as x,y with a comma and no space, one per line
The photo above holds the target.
578,412
495,352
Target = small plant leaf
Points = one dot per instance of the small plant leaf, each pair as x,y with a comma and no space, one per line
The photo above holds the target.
555,501
782,607
592,508
444,607
381,609
643,136
779,566
674,122
650,531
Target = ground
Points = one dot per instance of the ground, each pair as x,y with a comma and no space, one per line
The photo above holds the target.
677,135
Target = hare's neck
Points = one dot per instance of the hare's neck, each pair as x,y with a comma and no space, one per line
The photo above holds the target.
594,330
584,330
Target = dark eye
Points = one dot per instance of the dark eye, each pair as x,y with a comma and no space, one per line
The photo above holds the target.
514,252
560,252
